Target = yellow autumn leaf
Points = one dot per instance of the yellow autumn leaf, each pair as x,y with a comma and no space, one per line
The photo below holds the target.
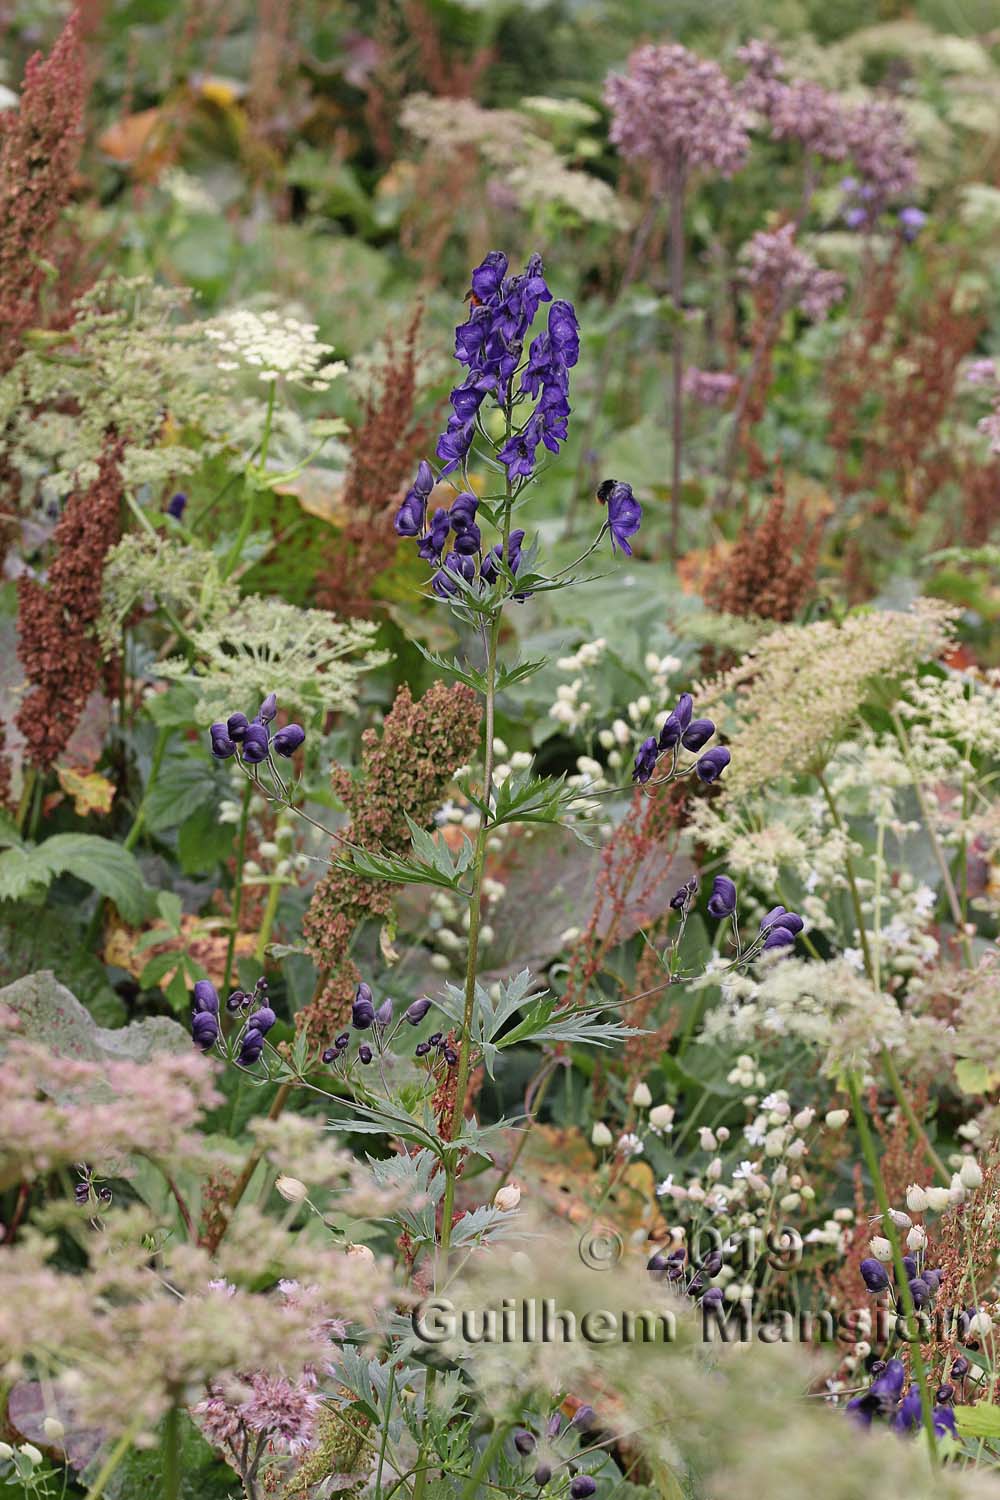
91,792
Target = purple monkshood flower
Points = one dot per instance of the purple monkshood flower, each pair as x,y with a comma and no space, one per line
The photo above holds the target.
415,1013
268,709
205,1015
624,513
237,726
432,545
678,722
722,901
363,1009
454,444
683,898
874,1275
176,505
645,761
582,1487
518,452
489,569
222,745
204,997
251,1048
288,740
779,917
911,221
697,734
712,764
256,744
262,1020
443,583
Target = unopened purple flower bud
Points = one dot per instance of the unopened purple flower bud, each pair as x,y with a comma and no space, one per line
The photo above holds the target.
204,1029
450,1056
329,1053
583,1417
362,1011
645,761
713,1297
874,1274
722,901
697,734
422,1049
583,1486
82,1193
436,1037
554,1426
342,1041
268,709
237,725
542,1474
287,740
222,746
365,1054
250,1048
524,1442
960,1368
177,505
384,1013
919,1291
235,1000
779,937
256,743
262,1020
415,1013
712,764
204,997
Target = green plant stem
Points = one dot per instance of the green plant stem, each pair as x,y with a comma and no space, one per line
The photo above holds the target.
270,910
852,884
172,1454
236,551
475,914
112,1461
27,789
241,849
925,813
902,1099
471,1488
677,352
891,1233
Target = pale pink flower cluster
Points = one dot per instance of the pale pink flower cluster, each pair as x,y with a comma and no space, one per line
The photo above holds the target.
678,112
710,387
273,1407
131,1333
872,133
56,1111
788,275
985,372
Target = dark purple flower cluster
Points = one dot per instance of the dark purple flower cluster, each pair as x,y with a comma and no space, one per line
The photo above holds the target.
525,1443
367,1017
693,1277
251,740
924,1284
884,1399
679,731
779,928
177,505
686,895
253,1005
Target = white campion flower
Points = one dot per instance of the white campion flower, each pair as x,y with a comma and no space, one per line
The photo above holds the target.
601,1135
938,1198
291,1189
916,1198
641,1096
880,1248
662,1118
836,1119
508,1197
971,1174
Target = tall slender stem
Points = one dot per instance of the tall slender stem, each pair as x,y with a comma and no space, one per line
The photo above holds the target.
236,551
677,353
891,1071
171,1454
241,849
264,936
954,904
891,1233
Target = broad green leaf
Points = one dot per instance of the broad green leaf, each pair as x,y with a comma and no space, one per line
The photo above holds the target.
982,1421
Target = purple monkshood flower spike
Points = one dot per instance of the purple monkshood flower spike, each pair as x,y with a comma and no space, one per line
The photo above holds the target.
712,764
288,740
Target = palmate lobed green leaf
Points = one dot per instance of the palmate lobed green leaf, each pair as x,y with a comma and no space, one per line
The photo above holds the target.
108,867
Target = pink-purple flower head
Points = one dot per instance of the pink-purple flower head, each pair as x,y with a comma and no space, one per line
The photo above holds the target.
788,275
624,513
678,112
